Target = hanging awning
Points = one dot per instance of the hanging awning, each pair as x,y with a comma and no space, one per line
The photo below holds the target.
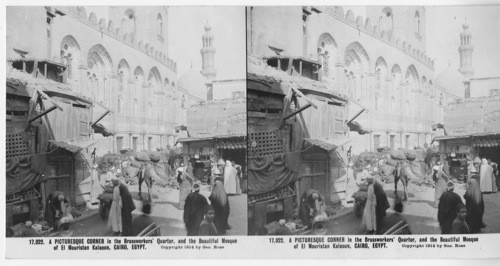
357,127
73,146
231,145
486,143
324,143
101,129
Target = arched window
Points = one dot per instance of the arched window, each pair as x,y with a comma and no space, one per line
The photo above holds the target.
160,25
326,54
119,105
417,22
128,22
377,102
386,19
393,105
70,55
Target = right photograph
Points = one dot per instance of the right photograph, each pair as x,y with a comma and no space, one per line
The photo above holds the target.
373,120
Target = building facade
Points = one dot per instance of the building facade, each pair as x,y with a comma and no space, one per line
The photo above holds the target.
379,61
123,64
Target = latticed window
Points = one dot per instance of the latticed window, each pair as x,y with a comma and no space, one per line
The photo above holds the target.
69,66
17,145
324,57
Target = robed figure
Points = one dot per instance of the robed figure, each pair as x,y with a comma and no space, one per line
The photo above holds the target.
128,207
220,204
475,206
56,207
381,206
194,209
311,204
447,209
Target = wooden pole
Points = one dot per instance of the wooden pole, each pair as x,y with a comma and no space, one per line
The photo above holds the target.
356,115
298,111
42,114
100,118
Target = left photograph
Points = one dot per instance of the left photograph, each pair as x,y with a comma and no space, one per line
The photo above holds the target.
125,121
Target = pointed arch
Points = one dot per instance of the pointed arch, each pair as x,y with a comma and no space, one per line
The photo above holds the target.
71,55
327,54
381,72
356,53
99,56
357,64
154,78
412,74
139,77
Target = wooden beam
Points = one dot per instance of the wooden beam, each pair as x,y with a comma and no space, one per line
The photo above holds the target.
43,113
356,116
298,111
100,118
305,98
49,99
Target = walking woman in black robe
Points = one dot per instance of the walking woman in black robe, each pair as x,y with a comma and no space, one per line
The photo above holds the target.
475,206
220,204
447,208
194,210
382,205
128,207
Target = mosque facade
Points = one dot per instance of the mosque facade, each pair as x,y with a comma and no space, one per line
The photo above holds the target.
378,61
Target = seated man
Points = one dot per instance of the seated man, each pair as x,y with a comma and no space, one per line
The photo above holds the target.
311,204
57,206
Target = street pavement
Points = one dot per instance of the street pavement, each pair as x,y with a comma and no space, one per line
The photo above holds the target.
165,213
419,213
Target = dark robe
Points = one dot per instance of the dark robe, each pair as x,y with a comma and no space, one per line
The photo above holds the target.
128,207
53,204
306,204
140,223
459,227
220,204
207,228
382,205
475,207
199,170
447,210
193,212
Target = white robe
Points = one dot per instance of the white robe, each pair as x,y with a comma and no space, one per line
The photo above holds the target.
486,179
115,213
231,181
369,213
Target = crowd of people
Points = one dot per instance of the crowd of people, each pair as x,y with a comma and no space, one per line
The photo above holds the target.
454,216
223,179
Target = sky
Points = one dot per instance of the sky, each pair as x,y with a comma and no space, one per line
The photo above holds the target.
186,27
228,27
444,25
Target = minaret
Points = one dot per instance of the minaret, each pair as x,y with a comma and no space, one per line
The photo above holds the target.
207,55
465,51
